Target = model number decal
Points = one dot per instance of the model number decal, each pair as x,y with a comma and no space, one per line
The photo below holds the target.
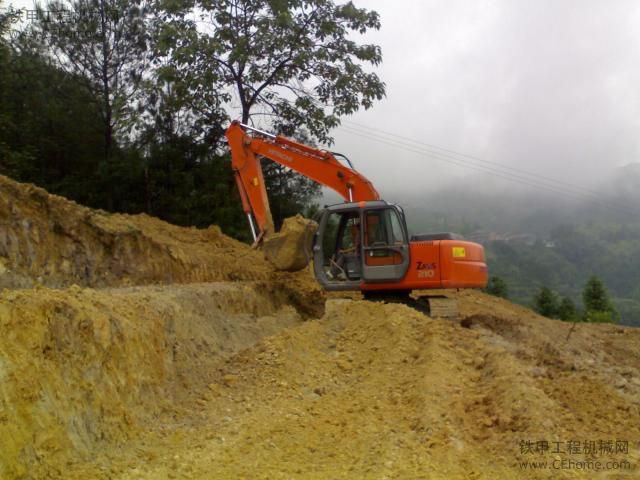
426,270
425,266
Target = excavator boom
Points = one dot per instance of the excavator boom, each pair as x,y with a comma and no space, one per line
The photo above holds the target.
318,165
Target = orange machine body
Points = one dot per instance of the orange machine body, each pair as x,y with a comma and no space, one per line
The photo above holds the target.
440,264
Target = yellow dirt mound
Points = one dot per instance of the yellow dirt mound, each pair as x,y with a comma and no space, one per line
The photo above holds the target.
225,379
81,368
382,391
46,239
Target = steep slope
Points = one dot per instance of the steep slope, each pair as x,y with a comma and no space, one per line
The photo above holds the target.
49,240
80,368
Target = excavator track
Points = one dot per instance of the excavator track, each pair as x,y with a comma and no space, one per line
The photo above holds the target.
435,306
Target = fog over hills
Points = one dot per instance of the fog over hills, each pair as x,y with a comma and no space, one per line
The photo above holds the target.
501,206
534,237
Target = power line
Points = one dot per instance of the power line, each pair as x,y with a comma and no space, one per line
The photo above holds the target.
495,165
495,169
513,177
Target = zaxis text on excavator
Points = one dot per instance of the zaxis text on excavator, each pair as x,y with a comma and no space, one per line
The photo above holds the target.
361,244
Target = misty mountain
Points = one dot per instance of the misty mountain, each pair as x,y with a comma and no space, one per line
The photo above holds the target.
485,206
536,239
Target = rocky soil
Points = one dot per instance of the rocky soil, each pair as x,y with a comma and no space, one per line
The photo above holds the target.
133,349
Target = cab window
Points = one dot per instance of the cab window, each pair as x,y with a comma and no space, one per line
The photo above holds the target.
396,228
384,228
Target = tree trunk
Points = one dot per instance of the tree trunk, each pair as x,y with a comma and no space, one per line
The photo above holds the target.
108,113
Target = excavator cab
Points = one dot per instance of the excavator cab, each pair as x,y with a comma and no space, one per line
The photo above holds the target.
363,242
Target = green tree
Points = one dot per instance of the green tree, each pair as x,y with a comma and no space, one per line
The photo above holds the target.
49,125
567,310
293,62
597,305
292,66
105,46
498,287
187,180
9,158
78,117
5,153
546,303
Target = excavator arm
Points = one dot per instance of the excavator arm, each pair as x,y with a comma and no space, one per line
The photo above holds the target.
383,262
318,165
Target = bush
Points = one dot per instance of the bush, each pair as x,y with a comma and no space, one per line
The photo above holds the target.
497,287
598,308
546,303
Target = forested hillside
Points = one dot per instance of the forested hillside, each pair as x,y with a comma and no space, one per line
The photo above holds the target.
536,241
121,115
569,258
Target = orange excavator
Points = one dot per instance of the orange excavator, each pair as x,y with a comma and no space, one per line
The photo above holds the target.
361,244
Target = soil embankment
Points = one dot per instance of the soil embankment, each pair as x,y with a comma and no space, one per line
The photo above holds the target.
134,349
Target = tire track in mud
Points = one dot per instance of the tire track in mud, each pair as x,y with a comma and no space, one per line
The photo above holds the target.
371,391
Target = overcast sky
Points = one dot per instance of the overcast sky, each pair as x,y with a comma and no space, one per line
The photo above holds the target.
552,87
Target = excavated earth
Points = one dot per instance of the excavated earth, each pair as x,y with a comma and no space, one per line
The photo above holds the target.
133,349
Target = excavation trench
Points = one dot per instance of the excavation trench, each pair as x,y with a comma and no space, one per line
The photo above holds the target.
81,367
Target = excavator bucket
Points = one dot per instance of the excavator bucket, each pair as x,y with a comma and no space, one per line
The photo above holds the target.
290,249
